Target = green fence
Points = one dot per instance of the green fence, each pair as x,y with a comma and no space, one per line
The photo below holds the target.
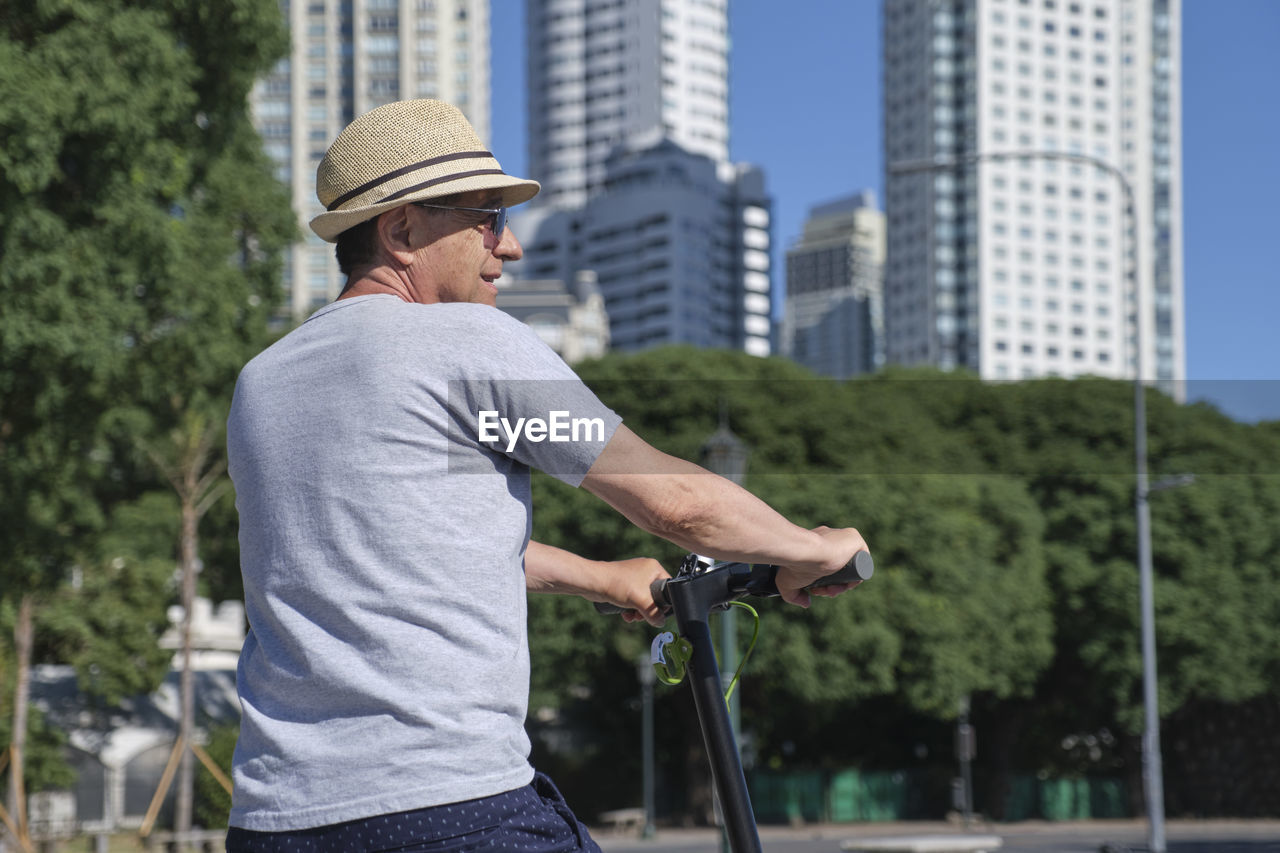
789,797
848,796
842,796
1065,799
856,796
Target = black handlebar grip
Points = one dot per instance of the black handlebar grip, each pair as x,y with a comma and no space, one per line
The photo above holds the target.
658,589
860,568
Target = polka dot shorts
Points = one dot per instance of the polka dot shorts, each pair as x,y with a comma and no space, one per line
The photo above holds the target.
532,819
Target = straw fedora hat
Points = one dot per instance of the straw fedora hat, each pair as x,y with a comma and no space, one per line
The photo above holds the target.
401,152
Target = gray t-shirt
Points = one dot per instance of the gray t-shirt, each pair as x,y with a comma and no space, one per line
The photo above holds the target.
384,514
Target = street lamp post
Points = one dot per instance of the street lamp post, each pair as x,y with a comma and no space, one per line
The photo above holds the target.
726,455
1152,772
644,668
965,754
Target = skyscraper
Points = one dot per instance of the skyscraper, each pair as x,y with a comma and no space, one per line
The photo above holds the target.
347,57
602,72
1017,268
679,247
629,135
835,273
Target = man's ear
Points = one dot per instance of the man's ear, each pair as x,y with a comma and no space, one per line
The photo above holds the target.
395,233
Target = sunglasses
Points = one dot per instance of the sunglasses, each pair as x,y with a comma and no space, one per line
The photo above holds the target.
497,215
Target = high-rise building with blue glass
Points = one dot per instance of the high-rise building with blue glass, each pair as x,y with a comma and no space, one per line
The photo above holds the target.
629,135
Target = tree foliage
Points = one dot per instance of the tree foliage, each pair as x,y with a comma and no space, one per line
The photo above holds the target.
107,621
140,229
140,237
1001,517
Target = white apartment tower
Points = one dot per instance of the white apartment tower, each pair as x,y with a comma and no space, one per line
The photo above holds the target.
1018,267
347,57
604,72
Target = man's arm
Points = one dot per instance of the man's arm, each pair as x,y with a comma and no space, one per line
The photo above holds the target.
624,583
710,515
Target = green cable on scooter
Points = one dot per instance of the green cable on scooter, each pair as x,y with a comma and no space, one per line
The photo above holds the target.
670,653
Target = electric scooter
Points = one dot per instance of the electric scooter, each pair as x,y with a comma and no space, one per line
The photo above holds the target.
697,589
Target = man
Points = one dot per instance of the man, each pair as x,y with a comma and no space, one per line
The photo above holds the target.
384,528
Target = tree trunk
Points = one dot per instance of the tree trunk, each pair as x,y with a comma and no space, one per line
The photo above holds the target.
183,461
23,637
186,725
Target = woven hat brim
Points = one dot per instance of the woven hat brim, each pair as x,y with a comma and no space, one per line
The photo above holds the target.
515,191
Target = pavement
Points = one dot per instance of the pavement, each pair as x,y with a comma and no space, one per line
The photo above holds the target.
1118,836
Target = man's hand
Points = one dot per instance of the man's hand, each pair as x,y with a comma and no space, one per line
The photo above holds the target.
840,544
622,583
630,588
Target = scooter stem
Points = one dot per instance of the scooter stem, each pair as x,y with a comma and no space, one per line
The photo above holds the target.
691,599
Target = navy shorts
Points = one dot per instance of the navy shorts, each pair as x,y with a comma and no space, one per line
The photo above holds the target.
534,818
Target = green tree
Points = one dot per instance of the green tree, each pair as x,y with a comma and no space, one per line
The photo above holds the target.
959,604
106,620
1002,520
140,232
1215,563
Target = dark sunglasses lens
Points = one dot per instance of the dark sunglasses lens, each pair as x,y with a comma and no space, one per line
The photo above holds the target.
499,221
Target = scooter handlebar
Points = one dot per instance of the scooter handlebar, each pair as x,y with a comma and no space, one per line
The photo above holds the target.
764,581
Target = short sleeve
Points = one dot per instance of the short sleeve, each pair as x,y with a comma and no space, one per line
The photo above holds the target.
519,400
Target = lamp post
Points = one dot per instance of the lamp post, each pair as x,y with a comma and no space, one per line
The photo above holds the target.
1152,772
644,669
965,753
726,455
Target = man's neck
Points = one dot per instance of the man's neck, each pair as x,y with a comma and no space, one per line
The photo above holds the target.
377,280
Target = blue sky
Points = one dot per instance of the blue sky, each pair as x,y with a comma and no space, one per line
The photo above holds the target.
805,105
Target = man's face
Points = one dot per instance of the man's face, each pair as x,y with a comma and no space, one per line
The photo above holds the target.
461,259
